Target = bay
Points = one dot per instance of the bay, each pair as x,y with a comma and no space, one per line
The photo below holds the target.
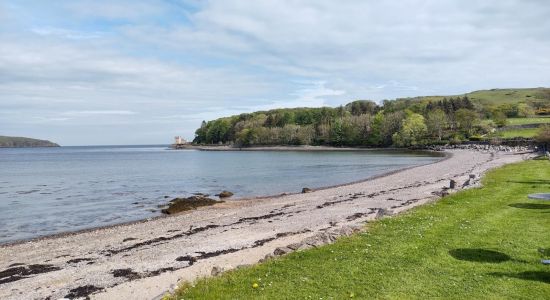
47,191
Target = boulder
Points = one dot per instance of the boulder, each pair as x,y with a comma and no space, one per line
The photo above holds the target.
225,194
216,270
183,204
281,251
452,184
306,190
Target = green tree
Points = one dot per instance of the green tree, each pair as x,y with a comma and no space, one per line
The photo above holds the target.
436,122
412,131
391,124
543,136
466,120
499,118
375,137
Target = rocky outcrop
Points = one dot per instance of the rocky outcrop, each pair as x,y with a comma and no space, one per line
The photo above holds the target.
183,204
225,194
317,240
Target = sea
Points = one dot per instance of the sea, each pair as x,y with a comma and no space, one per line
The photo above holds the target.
45,191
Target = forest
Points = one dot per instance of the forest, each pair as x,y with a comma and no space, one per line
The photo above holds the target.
406,122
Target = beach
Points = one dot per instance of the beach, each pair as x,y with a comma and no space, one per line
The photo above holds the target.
143,260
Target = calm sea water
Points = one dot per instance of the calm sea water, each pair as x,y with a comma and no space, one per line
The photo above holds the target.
51,190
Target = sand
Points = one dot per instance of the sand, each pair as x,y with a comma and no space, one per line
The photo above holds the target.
144,260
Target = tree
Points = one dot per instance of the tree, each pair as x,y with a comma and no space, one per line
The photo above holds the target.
466,120
376,126
391,124
543,136
200,133
525,111
500,118
436,123
412,131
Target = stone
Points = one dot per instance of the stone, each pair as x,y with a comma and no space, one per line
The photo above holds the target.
242,266
216,270
306,190
294,246
267,257
183,204
382,212
452,184
281,251
225,194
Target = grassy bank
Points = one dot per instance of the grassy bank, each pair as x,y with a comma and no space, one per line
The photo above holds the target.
524,132
480,243
524,121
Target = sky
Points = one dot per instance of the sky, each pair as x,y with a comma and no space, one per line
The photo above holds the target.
96,72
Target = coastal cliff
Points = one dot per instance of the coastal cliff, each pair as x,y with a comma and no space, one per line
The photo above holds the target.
23,142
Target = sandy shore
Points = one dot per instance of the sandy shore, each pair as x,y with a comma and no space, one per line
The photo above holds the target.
143,260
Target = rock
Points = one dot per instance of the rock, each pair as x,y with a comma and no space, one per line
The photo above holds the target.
320,239
345,231
294,246
242,266
216,270
225,194
281,251
267,257
452,184
299,246
472,176
183,204
382,212
306,190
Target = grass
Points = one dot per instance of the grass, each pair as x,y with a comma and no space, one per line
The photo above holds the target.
508,96
524,132
525,121
477,244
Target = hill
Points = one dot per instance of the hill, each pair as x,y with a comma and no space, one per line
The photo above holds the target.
402,122
23,142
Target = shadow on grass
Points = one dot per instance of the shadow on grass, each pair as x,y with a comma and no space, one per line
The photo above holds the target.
479,255
530,205
540,276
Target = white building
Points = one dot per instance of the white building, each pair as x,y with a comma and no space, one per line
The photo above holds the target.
179,140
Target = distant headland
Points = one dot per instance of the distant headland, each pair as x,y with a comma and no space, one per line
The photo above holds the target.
23,142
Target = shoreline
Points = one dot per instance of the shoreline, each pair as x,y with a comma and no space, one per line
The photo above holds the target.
282,148
444,156
145,259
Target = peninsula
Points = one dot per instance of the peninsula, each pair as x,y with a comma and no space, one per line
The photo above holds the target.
24,142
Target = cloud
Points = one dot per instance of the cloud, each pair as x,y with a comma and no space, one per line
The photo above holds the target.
175,63
99,112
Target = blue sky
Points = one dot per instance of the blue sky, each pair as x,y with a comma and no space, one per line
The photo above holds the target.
141,72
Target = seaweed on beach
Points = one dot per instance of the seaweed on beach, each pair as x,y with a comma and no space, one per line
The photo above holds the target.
83,292
18,273
184,204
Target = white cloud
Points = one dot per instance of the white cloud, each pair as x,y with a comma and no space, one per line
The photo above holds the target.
99,112
174,68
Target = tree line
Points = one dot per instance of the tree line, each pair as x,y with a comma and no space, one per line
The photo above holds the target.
401,123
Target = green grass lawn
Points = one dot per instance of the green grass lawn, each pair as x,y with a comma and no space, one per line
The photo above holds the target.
478,244
524,121
524,132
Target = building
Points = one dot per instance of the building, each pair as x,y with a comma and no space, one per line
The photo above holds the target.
179,140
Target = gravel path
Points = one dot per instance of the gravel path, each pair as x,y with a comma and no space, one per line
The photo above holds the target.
143,260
